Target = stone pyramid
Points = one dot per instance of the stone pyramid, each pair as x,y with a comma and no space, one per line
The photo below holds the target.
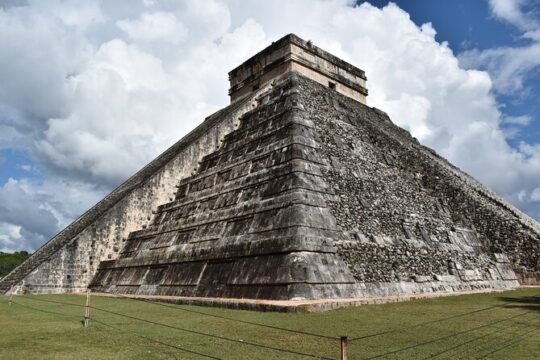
297,190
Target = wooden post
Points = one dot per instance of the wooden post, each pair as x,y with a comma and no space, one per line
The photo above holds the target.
344,352
10,295
87,308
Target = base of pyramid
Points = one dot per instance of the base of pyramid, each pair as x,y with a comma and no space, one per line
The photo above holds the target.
319,294
297,306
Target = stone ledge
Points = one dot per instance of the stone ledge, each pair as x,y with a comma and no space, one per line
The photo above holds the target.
292,306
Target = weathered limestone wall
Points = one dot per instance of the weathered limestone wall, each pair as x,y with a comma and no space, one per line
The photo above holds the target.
325,63
324,80
312,195
100,234
251,222
291,53
410,216
317,196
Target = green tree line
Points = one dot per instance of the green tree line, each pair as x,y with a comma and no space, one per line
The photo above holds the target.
8,262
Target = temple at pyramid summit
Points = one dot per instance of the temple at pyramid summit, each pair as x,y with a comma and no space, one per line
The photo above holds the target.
296,190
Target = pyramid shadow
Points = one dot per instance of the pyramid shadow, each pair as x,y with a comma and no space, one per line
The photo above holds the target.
524,302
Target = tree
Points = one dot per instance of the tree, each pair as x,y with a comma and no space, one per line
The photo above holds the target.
9,262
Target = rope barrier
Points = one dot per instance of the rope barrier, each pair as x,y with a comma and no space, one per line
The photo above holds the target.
489,346
474,339
512,341
187,330
45,311
446,337
231,319
516,340
50,301
492,337
214,336
108,325
429,322
154,340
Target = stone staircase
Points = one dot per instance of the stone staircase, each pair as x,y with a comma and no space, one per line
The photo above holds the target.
132,184
250,222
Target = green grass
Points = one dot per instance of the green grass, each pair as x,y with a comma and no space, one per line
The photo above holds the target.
35,329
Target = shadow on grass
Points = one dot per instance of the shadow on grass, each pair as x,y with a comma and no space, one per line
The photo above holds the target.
523,302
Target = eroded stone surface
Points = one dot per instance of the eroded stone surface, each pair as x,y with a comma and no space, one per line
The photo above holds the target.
407,212
313,196
252,222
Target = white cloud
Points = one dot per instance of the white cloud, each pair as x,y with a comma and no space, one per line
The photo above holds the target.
16,238
38,53
10,236
509,66
206,19
95,102
535,194
158,26
33,211
127,106
512,12
522,120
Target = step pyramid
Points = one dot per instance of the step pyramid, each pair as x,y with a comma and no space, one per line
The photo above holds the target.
308,193
252,222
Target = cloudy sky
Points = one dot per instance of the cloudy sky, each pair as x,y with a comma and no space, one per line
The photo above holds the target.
90,91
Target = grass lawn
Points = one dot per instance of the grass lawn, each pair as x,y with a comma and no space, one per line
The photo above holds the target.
491,326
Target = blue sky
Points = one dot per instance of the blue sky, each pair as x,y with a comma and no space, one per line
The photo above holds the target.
466,25
91,91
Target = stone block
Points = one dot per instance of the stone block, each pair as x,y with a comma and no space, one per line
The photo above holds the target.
423,278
